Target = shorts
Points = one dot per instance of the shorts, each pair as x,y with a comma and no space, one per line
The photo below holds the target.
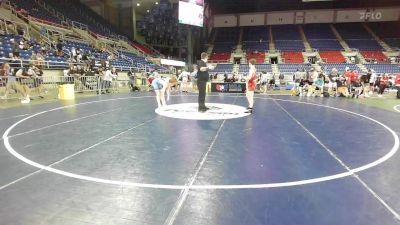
157,86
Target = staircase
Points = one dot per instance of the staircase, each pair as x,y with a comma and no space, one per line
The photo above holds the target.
271,40
210,49
307,45
236,68
378,39
275,69
340,39
361,58
240,36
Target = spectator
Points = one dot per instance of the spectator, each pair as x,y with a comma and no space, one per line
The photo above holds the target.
383,84
59,47
12,83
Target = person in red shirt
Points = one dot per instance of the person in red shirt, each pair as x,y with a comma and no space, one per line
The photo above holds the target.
383,84
251,84
397,84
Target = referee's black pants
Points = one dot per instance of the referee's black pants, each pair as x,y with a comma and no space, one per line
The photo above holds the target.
202,85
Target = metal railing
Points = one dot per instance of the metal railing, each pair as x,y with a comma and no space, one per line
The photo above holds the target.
35,87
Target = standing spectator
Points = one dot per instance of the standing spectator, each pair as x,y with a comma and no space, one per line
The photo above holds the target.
107,80
59,47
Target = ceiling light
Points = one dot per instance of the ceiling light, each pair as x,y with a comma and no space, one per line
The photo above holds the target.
138,4
148,10
156,3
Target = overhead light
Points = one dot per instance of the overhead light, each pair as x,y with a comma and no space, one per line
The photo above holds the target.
138,4
156,3
148,10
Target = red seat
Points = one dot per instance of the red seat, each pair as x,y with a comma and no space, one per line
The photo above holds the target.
258,56
377,56
293,57
332,56
220,57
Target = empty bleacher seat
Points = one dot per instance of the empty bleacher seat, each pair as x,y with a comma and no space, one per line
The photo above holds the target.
384,68
291,68
293,57
332,56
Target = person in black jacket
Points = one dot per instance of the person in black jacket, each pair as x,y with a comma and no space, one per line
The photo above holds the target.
202,78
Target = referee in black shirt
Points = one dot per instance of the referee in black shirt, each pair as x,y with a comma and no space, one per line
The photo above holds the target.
202,78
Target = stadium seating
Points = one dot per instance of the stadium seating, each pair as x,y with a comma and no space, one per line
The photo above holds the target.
356,36
325,45
377,56
366,45
264,68
350,31
384,68
80,13
33,9
293,57
253,46
291,68
261,68
318,32
222,68
286,32
393,42
258,56
220,57
332,56
227,35
388,31
341,67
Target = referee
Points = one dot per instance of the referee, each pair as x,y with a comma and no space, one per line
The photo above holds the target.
202,78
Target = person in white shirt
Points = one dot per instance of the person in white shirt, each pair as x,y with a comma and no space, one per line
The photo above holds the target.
108,78
184,78
193,78
264,82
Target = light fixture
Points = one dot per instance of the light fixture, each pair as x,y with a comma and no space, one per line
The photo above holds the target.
156,3
138,4
148,10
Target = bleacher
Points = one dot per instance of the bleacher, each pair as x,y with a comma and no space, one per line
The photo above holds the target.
325,45
341,67
376,56
291,68
258,56
79,12
388,32
356,36
225,41
33,9
332,56
255,39
293,57
222,68
384,68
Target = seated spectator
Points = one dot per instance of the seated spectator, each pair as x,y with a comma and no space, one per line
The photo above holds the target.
383,84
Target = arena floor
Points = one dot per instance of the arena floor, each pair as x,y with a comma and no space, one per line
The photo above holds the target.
112,160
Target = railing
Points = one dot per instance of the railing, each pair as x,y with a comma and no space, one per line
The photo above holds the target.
13,88
64,65
78,25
